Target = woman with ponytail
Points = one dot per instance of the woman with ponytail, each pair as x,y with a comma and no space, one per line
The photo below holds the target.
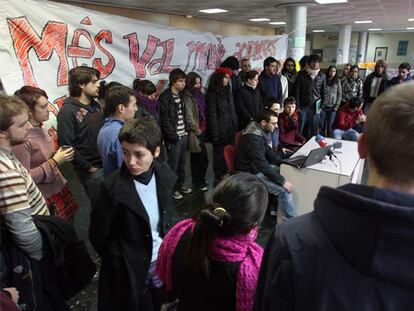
211,261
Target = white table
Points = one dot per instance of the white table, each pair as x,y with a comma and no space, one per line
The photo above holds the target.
307,181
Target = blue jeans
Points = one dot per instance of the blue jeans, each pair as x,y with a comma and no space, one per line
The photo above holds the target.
284,198
308,122
350,134
327,119
176,159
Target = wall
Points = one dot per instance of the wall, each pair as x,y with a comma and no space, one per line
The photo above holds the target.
328,43
390,40
178,21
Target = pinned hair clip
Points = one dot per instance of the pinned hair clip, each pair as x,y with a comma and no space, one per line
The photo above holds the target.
216,211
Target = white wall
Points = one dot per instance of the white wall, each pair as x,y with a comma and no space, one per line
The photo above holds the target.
390,40
329,41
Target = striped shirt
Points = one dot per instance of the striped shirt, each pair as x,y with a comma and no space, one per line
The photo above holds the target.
180,123
17,188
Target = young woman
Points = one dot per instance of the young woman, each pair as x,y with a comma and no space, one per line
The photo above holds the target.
221,118
39,157
211,261
195,114
333,100
147,103
249,100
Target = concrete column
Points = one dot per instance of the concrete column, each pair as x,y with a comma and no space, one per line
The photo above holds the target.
362,47
296,29
344,41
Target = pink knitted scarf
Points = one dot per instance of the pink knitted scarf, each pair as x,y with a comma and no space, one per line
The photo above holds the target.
240,248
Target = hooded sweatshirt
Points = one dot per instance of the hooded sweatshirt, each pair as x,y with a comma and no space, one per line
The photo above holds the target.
353,252
78,126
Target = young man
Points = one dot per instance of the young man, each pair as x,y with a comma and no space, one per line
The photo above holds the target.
245,68
403,75
283,81
120,106
354,251
375,84
129,220
79,121
174,129
269,80
310,90
19,196
289,71
255,156
347,118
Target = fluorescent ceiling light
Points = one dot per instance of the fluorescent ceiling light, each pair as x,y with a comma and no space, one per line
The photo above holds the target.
411,19
374,29
410,28
318,30
277,23
363,22
330,1
259,19
213,11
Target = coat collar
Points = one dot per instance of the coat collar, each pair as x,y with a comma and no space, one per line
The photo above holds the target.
125,192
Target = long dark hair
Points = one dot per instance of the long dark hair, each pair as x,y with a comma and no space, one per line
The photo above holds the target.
335,78
237,205
284,69
191,80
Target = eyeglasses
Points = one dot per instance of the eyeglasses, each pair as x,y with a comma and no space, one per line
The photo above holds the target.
273,123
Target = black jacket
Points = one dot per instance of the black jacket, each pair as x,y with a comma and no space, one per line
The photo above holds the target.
366,89
249,104
197,292
121,234
221,118
78,126
169,116
254,155
353,252
309,91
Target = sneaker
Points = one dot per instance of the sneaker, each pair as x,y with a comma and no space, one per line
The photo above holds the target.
185,190
177,195
203,188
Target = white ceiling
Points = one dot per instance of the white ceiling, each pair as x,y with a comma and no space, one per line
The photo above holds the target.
390,15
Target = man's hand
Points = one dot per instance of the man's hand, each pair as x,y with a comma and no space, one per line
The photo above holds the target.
92,170
14,293
286,151
288,186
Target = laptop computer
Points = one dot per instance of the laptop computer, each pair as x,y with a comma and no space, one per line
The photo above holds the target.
314,157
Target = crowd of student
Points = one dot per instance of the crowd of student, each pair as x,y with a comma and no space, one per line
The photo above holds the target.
128,149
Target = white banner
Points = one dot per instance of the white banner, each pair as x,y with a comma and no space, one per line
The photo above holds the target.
41,41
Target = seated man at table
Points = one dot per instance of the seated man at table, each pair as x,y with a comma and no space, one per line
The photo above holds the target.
348,118
355,250
255,156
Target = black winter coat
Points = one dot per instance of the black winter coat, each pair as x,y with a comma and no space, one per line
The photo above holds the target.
354,252
309,91
366,89
249,104
121,234
222,123
169,116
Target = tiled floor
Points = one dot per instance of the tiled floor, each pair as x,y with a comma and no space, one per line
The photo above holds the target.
87,298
